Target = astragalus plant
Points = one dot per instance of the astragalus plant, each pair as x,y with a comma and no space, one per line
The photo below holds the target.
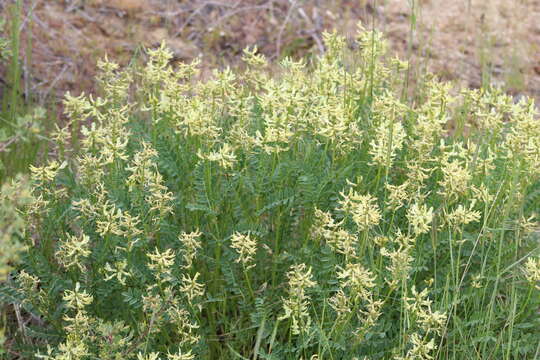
316,213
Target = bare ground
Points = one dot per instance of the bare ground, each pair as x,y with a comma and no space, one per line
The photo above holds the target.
467,41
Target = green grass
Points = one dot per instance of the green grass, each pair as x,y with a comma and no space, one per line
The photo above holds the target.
22,121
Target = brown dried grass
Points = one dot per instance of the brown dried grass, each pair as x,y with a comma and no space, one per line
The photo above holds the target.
469,41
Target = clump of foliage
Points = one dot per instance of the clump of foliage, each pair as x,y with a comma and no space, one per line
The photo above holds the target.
314,214
14,195
20,121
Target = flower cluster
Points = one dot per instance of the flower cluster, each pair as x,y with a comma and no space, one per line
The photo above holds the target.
296,305
246,247
363,209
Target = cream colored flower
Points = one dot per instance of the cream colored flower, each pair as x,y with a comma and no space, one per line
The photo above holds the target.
420,217
191,244
456,179
181,355
73,250
400,264
397,195
340,302
184,325
118,271
532,271
389,133
150,356
161,262
246,247
190,287
461,216
48,172
225,156
297,303
363,209
357,279
77,299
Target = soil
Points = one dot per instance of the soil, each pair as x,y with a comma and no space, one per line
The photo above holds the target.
468,41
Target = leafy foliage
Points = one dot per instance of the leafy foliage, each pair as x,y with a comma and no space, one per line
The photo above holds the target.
313,214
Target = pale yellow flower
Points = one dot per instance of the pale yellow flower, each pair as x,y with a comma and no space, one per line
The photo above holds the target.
181,355
420,217
363,209
225,156
246,247
77,299
461,216
191,244
118,271
456,179
190,287
358,279
161,262
296,305
532,271
73,250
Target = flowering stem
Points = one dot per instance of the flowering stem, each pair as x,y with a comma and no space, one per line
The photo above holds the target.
248,282
276,249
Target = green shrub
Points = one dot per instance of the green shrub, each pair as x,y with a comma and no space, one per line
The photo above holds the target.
315,214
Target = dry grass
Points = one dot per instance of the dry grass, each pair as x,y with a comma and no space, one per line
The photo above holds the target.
471,41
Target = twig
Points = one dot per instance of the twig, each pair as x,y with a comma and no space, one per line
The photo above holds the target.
146,331
224,17
5,145
30,14
189,18
313,32
234,12
73,6
282,28
53,83
20,322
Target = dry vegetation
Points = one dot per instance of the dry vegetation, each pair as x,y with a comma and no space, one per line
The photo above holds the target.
471,41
